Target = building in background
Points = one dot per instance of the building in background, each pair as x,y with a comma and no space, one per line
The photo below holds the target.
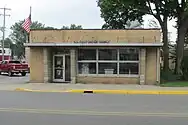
7,53
129,56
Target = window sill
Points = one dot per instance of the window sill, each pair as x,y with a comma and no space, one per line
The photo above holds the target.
108,75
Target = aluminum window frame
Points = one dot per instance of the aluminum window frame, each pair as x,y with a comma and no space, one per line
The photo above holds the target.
118,61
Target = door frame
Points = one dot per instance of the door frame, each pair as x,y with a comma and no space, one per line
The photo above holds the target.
53,68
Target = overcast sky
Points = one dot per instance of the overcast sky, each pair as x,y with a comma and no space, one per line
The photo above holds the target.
57,13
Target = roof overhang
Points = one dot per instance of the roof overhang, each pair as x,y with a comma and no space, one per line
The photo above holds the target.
37,44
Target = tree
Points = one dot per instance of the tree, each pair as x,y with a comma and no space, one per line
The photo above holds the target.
19,35
49,28
117,12
72,26
7,43
129,24
179,10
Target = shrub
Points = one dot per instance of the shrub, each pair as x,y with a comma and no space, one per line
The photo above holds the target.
169,76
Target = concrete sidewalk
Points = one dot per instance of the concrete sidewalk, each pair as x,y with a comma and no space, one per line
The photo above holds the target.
94,88
53,86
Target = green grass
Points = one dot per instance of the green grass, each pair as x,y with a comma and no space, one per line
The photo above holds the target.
175,84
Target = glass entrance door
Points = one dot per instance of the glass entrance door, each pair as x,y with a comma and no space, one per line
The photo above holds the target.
59,68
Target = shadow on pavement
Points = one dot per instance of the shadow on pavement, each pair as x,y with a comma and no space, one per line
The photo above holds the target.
16,78
15,75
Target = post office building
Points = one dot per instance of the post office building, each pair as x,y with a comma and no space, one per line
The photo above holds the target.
130,56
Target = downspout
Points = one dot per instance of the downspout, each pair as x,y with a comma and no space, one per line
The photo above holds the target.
158,64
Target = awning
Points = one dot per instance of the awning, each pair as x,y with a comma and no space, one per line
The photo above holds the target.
37,44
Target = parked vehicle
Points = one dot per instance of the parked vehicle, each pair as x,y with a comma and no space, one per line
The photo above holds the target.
28,66
14,67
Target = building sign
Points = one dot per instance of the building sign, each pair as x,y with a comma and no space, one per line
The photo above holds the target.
92,42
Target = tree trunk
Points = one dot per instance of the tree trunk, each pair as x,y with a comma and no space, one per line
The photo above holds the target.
180,48
165,47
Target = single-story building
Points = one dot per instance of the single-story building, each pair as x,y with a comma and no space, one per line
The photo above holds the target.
130,56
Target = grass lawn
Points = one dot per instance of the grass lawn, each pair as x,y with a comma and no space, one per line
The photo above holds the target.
175,84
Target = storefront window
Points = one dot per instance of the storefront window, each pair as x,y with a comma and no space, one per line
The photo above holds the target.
129,54
107,54
87,54
108,61
107,68
128,68
87,68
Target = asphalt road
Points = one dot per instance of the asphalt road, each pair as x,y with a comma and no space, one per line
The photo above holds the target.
16,79
25,108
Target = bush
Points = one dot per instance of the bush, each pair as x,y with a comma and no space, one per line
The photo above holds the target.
169,76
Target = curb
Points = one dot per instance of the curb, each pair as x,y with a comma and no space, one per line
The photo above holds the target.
148,92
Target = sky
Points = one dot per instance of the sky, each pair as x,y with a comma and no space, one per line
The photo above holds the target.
58,13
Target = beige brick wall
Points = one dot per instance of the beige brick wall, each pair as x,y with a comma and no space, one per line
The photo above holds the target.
151,65
108,80
48,64
27,54
142,68
37,54
37,70
73,65
100,35
36,65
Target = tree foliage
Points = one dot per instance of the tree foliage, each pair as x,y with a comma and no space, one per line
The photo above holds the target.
7,43
116,13
72,26
129,25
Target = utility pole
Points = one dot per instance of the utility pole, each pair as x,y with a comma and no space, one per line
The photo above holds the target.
3,29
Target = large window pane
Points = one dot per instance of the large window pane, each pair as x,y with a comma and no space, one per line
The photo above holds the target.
87,68
87,54
129,54
107,54
107,68
128,68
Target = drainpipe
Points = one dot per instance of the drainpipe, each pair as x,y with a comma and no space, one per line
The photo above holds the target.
158,63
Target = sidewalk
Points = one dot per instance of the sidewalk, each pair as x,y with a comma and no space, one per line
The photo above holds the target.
94,88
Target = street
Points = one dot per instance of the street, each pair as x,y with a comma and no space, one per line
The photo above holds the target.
5,79
25,108
21,108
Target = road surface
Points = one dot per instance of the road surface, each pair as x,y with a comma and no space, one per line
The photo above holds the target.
26,108
16,79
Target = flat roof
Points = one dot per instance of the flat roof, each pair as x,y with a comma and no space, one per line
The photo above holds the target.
37,44
103,29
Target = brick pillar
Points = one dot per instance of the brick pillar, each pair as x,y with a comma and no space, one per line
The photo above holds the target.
27,54
47,66
73,65
142,66
50,65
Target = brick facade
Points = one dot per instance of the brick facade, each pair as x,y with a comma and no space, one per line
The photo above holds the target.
41,58
47,60
73,65
142,65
